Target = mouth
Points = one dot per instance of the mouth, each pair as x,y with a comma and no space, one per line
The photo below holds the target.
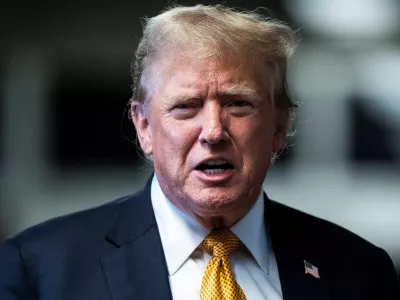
215,166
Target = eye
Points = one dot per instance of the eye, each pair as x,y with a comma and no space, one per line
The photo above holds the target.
181,106
184,111
240,103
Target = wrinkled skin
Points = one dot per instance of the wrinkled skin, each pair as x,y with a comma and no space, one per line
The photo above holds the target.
207,110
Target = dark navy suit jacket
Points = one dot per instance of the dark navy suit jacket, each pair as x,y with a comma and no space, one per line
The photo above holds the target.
114,252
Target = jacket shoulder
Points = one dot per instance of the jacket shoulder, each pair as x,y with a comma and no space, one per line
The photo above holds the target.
327,235
355,264
81,225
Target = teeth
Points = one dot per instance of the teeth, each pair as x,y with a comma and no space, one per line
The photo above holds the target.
214,162
214,171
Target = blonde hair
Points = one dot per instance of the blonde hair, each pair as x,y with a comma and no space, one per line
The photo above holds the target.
219,32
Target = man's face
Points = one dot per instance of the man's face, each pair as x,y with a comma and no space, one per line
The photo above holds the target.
211,130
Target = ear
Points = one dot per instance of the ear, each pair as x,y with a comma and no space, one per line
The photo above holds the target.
142,125
281,127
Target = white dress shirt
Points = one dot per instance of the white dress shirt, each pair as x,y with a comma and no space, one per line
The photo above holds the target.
254,269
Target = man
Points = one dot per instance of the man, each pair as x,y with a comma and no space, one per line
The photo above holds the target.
211,111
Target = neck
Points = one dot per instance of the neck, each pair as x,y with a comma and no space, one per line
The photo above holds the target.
220,220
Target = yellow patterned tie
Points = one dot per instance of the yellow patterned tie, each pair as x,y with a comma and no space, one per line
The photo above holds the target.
218,282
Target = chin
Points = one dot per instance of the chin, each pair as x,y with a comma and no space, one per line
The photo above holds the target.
216,205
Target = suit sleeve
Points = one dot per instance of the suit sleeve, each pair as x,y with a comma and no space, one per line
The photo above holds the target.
390,287
13,277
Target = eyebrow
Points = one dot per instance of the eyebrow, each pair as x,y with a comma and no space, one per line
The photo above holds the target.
183,97
235,90
241,90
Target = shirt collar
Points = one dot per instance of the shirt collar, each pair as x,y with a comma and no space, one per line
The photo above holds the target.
252,232
180,233
178,228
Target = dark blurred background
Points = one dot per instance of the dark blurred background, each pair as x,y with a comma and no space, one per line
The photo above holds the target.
66,142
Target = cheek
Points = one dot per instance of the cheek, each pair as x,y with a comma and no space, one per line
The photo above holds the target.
254,141
174,140
253,134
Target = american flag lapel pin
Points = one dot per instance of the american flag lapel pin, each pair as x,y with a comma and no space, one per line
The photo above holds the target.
311,269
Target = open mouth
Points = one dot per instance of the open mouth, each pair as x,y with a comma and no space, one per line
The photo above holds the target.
217,166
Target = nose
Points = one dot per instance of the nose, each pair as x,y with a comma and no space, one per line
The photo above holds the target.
213,127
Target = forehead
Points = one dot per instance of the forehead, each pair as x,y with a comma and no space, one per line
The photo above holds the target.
192,74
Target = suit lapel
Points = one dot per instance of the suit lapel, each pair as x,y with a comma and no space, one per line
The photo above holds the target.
136,268
293,244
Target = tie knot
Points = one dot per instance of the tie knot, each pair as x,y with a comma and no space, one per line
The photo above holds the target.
221,242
